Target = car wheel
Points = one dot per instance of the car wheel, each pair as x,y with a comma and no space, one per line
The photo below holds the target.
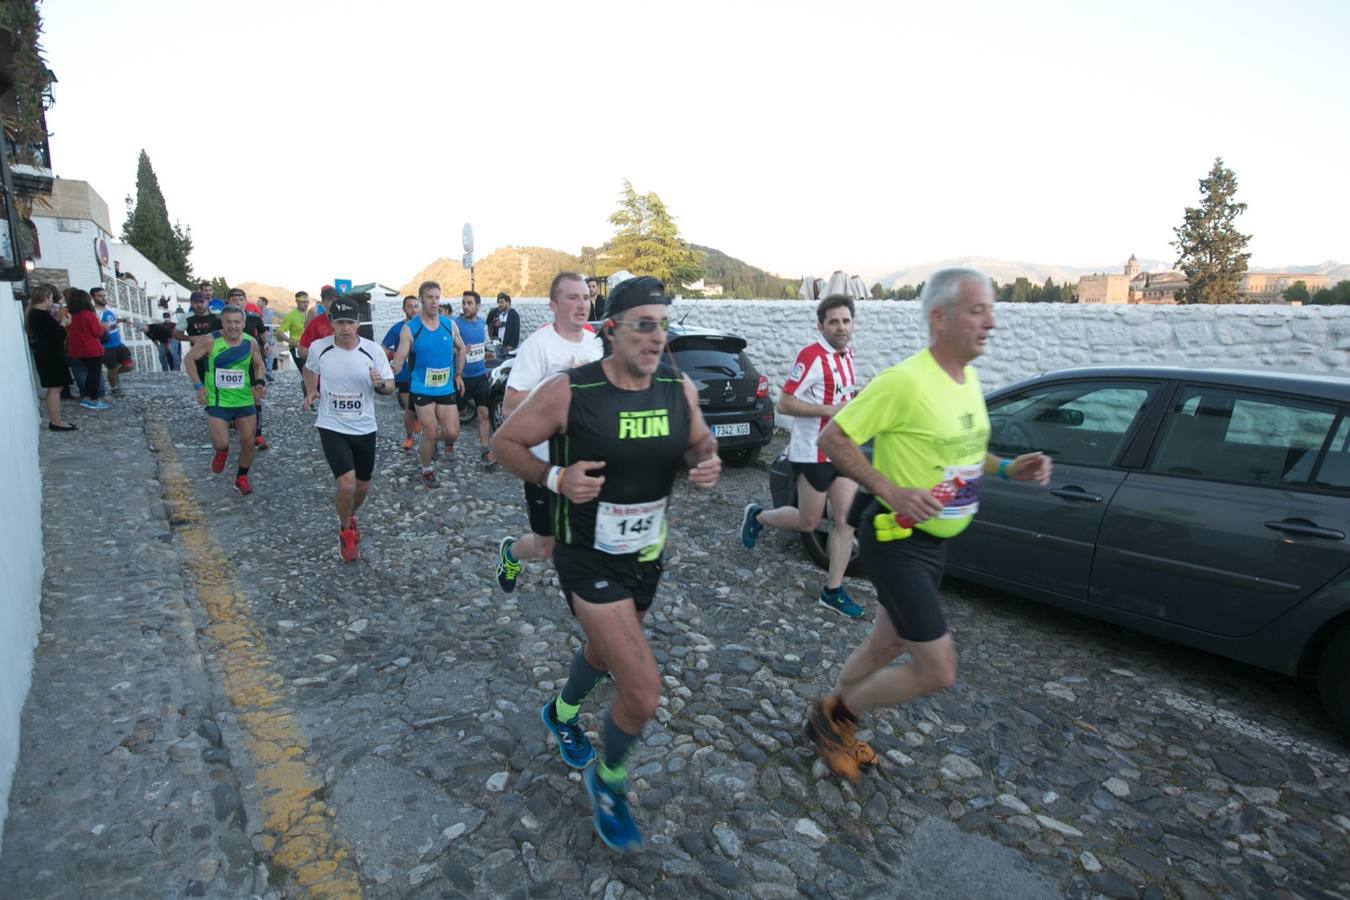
467,413
741,457
1333,679
495,413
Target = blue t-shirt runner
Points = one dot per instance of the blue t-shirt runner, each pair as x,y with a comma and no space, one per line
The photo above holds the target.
113,339
433,358
390,343
473,332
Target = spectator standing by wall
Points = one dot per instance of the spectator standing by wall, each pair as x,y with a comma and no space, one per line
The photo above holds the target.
47,339
84,342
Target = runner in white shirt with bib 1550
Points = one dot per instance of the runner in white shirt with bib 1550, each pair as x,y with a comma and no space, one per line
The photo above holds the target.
342,374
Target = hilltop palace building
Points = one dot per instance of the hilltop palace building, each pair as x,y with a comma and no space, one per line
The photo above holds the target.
1160,288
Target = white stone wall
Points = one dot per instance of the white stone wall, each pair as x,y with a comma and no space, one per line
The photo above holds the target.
21,550
72,250
1038,337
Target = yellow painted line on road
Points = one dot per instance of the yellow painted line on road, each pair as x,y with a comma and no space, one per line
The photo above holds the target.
304,838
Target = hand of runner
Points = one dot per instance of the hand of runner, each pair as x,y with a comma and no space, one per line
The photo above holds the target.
1035,467
201,396
309,401
706,473
375,378
912,504
578,484
459,384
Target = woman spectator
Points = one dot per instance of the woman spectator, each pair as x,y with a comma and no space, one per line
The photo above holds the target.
48,340
84,341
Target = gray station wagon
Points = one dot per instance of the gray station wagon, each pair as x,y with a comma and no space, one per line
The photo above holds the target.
1206,507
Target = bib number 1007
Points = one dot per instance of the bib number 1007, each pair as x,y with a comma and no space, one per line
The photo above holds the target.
229,378
628,527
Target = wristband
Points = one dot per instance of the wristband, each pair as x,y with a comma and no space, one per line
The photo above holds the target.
198,387
1003,468
553,481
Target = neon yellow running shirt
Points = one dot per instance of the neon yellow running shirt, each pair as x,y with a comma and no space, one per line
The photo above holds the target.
927,430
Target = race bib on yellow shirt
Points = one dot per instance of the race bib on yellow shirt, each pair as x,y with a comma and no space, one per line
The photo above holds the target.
436,377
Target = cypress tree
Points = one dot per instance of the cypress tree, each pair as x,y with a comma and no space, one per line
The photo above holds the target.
1210,249
147,226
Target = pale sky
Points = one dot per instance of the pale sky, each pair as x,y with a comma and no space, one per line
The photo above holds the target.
305,141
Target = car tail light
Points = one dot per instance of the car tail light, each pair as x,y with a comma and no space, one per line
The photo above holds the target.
762,388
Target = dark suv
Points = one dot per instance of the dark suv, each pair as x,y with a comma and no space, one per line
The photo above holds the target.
732,395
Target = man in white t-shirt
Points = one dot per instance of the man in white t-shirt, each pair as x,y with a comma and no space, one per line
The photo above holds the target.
343,373
820,383
567,343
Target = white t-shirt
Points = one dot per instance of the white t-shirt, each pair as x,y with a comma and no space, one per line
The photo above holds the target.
346,396
546,353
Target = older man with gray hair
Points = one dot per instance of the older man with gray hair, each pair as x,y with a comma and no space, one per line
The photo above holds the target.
927,419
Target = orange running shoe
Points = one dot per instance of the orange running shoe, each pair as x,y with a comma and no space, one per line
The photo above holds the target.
347,545
407,443
833,740
242,486
218,461
356,531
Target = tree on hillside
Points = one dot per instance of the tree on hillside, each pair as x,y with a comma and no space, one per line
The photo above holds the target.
647,241
147,226
1338,295
1296,292
1210,249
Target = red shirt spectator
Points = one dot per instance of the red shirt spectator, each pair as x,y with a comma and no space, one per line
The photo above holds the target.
83,335
318,327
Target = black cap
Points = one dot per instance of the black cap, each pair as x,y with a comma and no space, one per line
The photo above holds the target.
344,308
636,292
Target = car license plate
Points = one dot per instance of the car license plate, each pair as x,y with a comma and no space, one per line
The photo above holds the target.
735,429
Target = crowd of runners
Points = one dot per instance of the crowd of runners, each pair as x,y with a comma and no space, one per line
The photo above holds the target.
599,425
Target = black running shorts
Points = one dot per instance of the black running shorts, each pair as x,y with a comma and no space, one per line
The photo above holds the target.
539,504
475,389
348,452
404,394
906,574
820,475
598,577
432,399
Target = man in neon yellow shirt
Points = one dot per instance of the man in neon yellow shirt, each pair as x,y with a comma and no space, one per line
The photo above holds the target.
292,326
931,432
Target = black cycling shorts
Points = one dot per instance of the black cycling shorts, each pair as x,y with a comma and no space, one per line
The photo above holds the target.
404,394
820,475
430,399
348,452
476,389
601,578
539,504
906,574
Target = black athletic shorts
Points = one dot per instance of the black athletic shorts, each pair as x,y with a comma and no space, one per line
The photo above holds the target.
539,504
601,578
404,394
906,574
117,357
477,389
429,399
348,452
820,475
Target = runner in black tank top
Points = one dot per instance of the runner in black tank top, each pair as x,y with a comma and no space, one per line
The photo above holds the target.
619,431
642,436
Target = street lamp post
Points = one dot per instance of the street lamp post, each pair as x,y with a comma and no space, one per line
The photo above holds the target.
468,253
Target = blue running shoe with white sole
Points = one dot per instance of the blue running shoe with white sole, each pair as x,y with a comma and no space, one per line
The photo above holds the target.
839,601
613,821
573,745
750,529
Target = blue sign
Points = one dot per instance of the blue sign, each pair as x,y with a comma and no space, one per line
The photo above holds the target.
343,285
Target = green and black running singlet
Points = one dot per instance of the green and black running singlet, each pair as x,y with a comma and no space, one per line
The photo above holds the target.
642,437
229,373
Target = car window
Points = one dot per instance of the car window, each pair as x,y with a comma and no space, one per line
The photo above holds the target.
708,358
1230,436
1334,472
1082,424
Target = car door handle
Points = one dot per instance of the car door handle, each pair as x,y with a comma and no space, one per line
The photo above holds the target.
1077,493
1305,528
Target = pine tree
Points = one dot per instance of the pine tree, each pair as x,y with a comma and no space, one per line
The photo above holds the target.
647,241
147,226
1210,249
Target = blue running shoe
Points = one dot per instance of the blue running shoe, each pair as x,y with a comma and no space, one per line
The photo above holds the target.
839,601
573,745
508,570
613,822
750,529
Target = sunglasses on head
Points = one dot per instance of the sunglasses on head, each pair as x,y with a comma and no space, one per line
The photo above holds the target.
645,326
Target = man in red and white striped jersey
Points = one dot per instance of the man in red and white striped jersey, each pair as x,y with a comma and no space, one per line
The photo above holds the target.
820,384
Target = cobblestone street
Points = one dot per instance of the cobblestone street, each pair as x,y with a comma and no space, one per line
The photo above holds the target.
222,708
